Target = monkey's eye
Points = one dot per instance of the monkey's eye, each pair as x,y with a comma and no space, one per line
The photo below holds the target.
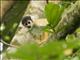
27,22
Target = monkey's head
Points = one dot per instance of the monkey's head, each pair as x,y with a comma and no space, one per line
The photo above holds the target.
27,22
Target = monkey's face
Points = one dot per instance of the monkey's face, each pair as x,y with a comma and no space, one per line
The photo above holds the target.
27,21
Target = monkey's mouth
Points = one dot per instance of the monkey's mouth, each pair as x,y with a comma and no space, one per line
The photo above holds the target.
29,26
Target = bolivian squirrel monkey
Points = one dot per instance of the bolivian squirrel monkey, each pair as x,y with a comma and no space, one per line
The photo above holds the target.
36,28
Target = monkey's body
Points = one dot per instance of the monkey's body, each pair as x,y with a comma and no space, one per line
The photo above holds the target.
35,28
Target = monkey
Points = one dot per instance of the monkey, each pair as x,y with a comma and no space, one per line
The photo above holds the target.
36,28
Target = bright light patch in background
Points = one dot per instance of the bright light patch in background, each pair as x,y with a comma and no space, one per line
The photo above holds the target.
0,56
1,46
7,37
2,27
1,49
14,25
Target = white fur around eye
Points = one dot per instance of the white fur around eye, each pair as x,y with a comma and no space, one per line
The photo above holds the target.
29,23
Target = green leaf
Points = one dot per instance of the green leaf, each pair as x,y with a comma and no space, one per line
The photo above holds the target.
26,52
53,13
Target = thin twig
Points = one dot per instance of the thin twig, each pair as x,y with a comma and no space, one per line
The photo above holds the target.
8,44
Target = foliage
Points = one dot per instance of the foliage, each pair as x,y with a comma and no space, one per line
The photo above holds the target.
51,51
68,49
53,13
